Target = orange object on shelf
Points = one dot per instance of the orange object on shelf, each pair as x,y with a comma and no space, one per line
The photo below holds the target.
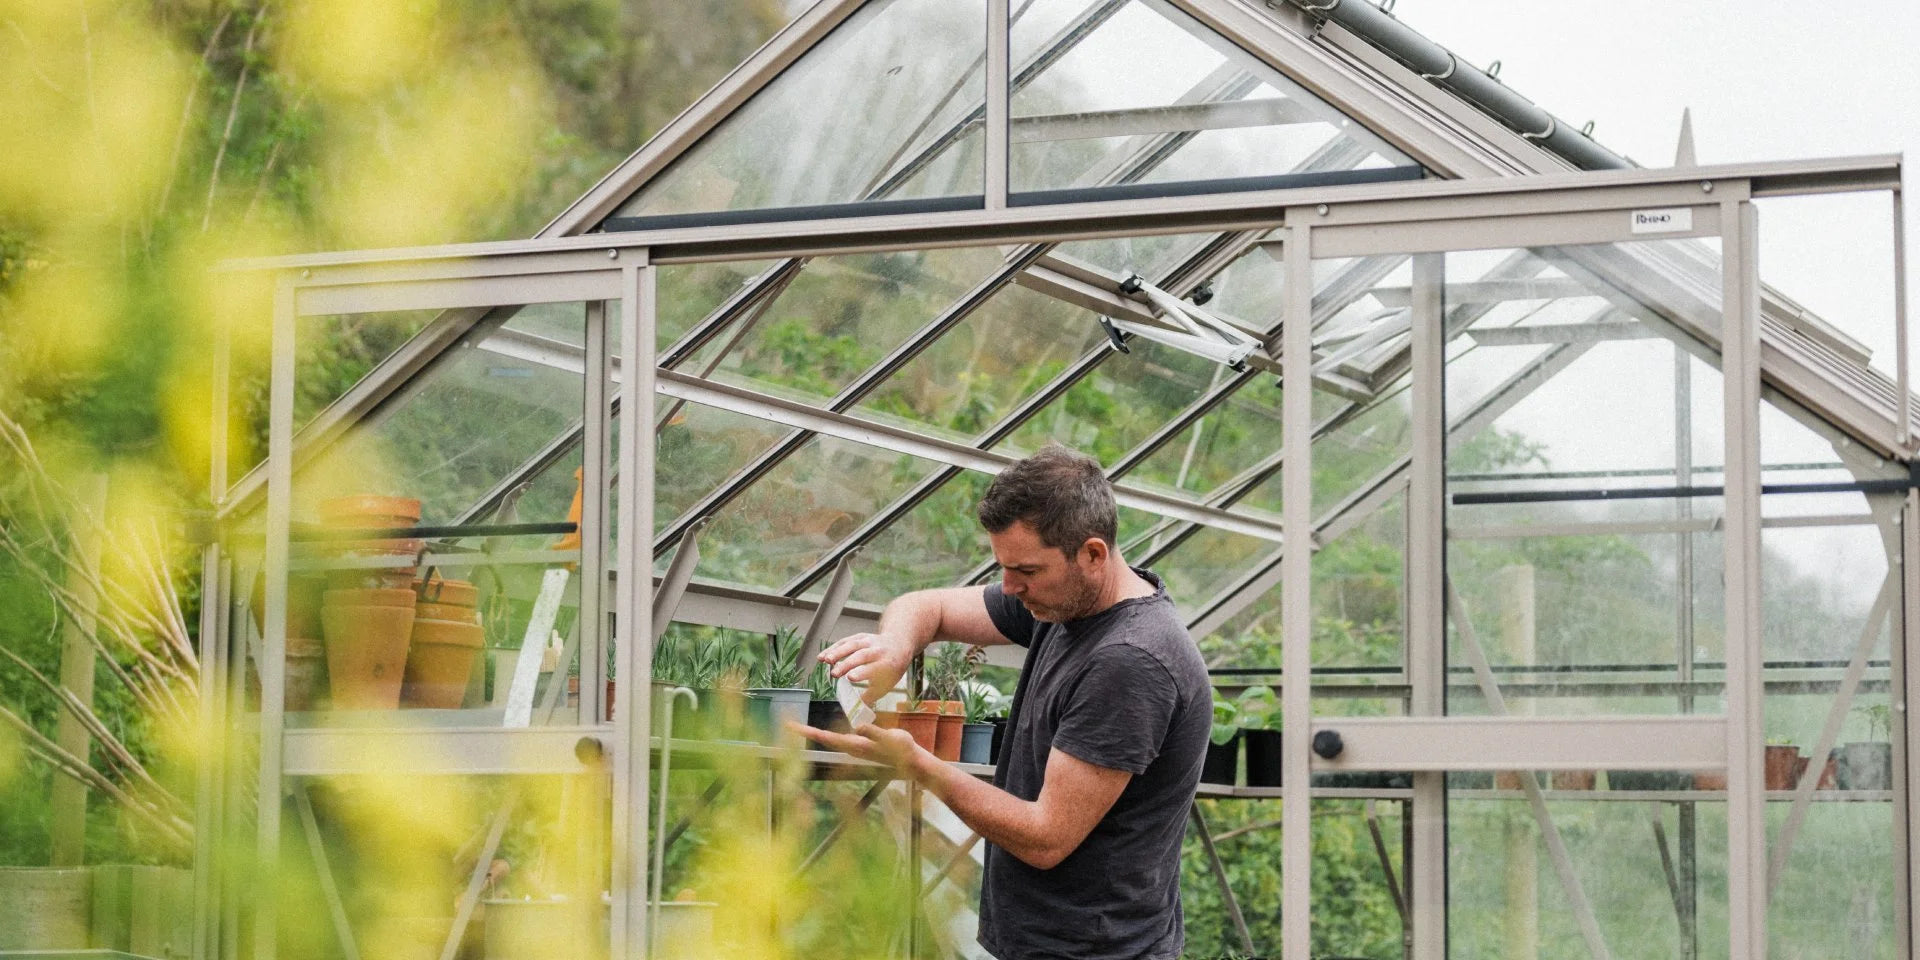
571,541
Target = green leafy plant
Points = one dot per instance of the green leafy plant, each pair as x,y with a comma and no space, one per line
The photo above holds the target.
981,703
820,683
1226,717
780,668
1259,708
951,666
717,664
1879,718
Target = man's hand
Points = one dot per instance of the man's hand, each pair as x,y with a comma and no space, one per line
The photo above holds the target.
875,659
889,747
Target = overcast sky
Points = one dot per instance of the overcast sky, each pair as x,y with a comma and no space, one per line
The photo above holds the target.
1766,80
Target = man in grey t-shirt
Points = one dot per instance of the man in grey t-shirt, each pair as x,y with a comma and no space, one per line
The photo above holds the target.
1101,754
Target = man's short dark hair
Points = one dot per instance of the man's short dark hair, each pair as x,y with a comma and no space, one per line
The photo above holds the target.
1062,494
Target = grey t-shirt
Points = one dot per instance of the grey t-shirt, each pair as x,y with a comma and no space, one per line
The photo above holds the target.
1124,689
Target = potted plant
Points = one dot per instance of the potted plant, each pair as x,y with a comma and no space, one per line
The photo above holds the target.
1259,722
1868,765
947,673
1783,759
823,707
777,696
1650,779
916,717
976,735
1573,779
1223,749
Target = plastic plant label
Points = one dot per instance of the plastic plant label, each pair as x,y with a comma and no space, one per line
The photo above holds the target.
856,709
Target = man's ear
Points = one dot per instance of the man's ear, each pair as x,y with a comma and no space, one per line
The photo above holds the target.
1097,552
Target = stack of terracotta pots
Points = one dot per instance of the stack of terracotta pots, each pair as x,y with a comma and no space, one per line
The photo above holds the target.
446,639
367,615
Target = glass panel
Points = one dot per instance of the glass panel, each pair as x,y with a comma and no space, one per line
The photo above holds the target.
1242,431
1009,348
1207,110
462,426
1577,411
1120,404
842,314
334,353
934,545
689,293
792,516
403,628
863,114
398,847
1651,876
1829,597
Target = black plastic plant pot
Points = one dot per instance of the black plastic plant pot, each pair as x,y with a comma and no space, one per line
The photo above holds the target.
826,715
1364,780
1263,757
1222,762
1649,779
999,731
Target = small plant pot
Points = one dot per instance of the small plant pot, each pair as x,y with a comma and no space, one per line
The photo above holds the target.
366,654
370,597
306,673
456,593
1222,762
996,748
976,743
382,578
1516,779
1364,780
303,603
1572,779
1649,780
826,715
1264,767
1865,766
947,731
1710,780
923,725
536,929
369,510
439,663
1781,763
446,611
47,908
780,705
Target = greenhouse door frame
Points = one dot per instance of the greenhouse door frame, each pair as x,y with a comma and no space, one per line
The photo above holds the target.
1422,217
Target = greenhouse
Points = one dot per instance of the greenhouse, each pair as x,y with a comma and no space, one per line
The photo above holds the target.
1549,565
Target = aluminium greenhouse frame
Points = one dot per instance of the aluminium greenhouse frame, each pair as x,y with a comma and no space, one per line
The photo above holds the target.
1418,218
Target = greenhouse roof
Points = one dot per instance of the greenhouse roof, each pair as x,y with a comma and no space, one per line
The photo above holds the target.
980,354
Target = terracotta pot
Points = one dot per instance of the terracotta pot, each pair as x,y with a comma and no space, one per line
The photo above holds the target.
303,604
1710,780
370,597
947,731
370,510
1572,779
453,593
306,673
388,578
1781,761
439,662
886,719
1830,773
445,611
1511,779
924,726
366,654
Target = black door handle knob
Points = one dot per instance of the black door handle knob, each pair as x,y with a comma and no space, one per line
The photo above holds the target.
1327,744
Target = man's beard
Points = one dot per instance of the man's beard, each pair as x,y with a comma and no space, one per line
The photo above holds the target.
1083,594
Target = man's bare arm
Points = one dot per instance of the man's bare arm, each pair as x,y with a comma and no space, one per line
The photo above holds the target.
907,625
1073,797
